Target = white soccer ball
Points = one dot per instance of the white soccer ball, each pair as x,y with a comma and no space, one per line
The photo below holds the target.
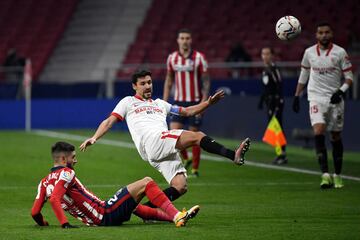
288,28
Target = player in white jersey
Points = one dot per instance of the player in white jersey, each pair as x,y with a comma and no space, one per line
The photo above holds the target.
187,71
324,65
146,119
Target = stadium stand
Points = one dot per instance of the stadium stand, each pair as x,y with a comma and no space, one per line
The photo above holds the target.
219,25
33,28
95,41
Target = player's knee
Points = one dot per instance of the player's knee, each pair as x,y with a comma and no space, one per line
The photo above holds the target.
182,189
335,136
147,179
198,136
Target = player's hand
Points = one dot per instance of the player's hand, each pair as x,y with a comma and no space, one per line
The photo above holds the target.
296,104
337,97
68,225
216,97
87,142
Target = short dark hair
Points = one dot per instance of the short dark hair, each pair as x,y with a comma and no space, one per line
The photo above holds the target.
270,48
140,74
62,147
184,30
323,24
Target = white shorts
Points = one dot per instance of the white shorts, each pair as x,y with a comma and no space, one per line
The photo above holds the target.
169,167
330,114
162,154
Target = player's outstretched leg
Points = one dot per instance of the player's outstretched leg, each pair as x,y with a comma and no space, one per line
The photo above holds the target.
188,139
240,152
159,199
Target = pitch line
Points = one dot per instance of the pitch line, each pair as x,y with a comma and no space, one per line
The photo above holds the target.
108,142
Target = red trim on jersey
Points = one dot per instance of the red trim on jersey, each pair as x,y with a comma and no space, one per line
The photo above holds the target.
347,69
330,48
118,203
139,97
118,116
327,52
305,67
169,136
318,49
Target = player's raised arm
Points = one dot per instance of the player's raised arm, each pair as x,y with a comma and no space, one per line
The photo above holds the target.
102,129
199,108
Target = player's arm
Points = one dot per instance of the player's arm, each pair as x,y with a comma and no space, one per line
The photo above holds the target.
198,108
346,69
169,81
55,201
203,68
303,78
38,205
205,86
102,129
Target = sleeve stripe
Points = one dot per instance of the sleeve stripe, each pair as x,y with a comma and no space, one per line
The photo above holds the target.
120,118
347,69
305,67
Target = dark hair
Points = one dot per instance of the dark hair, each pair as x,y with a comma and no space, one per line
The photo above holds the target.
270,48
140,74
323,24
184,30
62,147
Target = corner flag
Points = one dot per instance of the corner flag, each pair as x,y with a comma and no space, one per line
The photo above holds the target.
274,135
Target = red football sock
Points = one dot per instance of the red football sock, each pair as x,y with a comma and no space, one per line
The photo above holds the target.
196,157
159,199
184,154
149,213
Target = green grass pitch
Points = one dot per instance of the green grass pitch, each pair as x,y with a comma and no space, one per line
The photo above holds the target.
247,202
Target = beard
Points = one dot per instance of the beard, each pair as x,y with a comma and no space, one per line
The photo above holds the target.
69,165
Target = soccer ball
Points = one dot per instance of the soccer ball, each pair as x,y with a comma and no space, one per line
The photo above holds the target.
288,28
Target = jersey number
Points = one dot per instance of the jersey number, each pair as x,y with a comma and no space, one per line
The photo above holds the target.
314,109
112,200
49,190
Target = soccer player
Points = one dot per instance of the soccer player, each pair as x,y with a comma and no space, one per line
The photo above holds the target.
326,63
146,119
187,70
66,193
272,95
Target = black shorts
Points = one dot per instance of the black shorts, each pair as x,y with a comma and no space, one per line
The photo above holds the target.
119,208
194,121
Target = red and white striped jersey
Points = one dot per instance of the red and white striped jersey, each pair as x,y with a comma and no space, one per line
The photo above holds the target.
66,192
187,73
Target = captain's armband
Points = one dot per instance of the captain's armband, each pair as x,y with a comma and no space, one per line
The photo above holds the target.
175,110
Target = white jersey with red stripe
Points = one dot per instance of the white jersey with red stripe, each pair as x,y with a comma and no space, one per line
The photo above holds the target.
326,70
187,73
145,119
72,196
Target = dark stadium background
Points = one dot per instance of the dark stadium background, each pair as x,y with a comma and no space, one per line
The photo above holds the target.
84,51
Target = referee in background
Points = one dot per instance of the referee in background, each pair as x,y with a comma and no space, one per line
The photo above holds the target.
272,95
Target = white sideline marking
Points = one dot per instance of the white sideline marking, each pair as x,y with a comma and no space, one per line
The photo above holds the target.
207,157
